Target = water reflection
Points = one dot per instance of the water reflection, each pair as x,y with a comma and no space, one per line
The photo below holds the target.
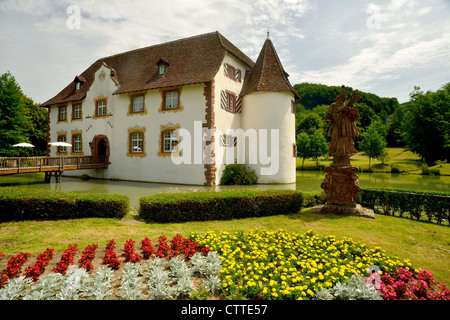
306,181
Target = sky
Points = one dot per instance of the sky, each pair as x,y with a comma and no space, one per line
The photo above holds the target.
384,47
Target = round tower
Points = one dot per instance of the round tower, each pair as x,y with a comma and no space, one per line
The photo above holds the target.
268,109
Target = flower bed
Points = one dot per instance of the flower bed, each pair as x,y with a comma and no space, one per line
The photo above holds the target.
257,264
167,272
282,265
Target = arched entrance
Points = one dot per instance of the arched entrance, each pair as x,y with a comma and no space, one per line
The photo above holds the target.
100,149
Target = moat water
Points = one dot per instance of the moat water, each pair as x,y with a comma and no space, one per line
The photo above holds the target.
306,181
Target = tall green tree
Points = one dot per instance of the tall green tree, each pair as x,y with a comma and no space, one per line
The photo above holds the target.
13,119
310,122
311,146
302,147
318,145
395,133
373,144
37,126
426,125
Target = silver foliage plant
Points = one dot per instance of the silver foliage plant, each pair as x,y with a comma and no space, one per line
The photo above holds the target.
158,280
162,279
131,285
46,287
208,266
15,288
354,288
75,284
102,285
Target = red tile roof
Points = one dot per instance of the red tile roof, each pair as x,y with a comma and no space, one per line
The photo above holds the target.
268,73
192,60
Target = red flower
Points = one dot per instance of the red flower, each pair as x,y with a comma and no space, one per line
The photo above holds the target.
66,259
130,253
111,259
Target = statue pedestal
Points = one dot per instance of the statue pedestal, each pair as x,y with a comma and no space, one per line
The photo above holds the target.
356,210
341,186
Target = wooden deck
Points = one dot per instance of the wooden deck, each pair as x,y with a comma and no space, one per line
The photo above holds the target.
50,164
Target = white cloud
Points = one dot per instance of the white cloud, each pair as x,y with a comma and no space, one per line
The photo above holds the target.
425,10
317,40
402,44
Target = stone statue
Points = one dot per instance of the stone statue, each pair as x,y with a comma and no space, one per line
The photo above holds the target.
342,116
341,183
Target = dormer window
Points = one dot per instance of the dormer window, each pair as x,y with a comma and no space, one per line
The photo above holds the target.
78,80
163,64
162,69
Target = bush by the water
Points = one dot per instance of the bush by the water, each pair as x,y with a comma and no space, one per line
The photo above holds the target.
434,205
202,206
238,174
32,204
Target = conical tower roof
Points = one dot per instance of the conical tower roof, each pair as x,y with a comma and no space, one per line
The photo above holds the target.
268,73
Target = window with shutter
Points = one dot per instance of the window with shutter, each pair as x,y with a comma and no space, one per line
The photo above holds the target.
228,140
232,72
228,101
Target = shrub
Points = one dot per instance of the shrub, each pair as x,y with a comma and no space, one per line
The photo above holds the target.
32,204
424,168
312,199
395,169
435,205
203,206
238,174
434,171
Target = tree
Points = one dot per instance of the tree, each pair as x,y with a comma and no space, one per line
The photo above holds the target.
13,120
309,123
311,145
302,146
37,126
319,94
366,115
318,145
372,144
426,124
395,134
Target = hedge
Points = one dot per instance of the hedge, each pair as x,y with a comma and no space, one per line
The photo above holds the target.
223,205
19,204
433,205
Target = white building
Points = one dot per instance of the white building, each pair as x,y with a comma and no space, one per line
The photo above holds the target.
152,112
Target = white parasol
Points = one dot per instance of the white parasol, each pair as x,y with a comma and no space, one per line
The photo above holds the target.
60,144
23,144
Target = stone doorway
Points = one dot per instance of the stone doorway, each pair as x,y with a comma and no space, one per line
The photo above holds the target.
100,149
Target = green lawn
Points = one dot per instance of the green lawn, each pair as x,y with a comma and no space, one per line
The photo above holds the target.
405,160
426,245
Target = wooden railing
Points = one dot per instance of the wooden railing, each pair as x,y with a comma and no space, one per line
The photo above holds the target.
12,165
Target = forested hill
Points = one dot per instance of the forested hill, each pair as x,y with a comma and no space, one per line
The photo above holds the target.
313,95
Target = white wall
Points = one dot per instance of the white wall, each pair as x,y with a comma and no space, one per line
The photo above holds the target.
271,110
223,119
152,167
263,110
